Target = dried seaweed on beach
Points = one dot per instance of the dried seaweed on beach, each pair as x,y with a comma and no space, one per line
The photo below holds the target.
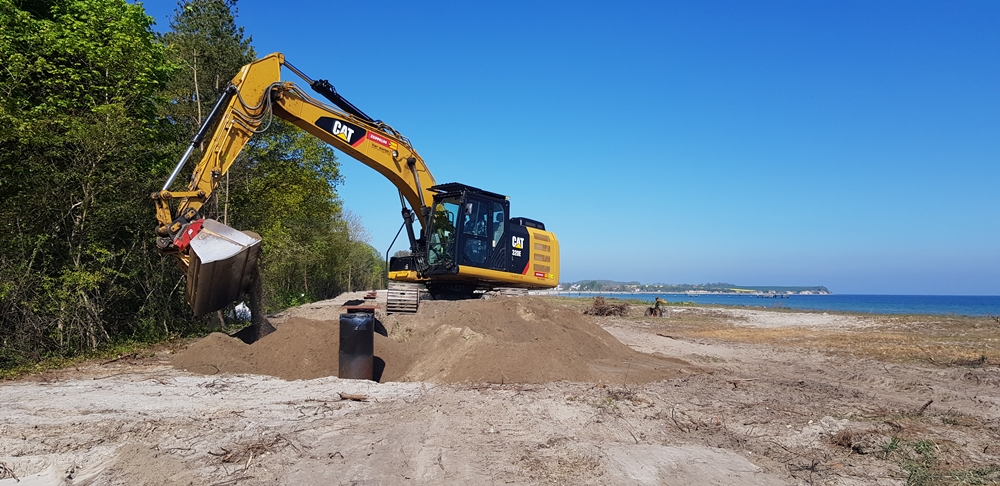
602,308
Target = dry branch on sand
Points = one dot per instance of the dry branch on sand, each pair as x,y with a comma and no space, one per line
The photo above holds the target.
7,472
244,453
353,397
602,308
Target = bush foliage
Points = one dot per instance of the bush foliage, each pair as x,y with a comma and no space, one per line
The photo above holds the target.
95,109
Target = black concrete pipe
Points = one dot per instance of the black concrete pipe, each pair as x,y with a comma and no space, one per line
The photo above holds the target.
357,345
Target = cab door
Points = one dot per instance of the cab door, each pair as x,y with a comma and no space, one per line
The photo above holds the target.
499,253
443,244
475,247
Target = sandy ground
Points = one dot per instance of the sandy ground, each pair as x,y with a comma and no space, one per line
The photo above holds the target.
731,413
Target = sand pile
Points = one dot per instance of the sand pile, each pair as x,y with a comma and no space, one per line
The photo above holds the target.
509,340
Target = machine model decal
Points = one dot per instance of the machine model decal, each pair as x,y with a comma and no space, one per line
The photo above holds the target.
519,254
348,132
518,243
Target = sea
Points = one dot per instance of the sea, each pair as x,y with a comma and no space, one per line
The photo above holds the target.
959,305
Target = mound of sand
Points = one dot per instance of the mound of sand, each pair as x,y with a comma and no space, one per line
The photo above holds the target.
519,340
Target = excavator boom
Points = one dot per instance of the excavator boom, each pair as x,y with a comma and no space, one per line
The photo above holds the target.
256,94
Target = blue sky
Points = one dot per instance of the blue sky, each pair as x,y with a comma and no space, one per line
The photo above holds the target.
849,144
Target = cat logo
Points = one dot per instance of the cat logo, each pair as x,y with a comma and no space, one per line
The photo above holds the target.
518,243
343,131
348,132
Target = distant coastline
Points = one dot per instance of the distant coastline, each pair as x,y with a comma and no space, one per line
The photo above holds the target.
687,292
720,288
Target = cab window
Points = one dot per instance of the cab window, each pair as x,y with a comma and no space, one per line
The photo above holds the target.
441,247
475,227
475,218
499,218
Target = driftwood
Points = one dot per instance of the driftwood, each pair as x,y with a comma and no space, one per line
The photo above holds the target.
7,472
602,308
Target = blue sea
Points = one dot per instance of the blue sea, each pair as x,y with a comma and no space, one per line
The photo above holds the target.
963,305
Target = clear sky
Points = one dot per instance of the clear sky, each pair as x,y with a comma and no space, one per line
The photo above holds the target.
851,144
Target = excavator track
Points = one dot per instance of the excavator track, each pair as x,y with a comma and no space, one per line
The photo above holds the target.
403,298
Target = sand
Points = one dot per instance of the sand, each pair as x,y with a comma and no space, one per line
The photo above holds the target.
525,340
772,411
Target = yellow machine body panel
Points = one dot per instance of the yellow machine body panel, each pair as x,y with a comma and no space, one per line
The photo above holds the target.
405,276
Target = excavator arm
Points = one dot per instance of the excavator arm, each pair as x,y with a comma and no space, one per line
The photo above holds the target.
255,95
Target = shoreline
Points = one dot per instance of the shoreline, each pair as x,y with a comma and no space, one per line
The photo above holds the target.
687,292
862,304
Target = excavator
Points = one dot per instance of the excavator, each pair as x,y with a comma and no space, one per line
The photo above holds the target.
466,243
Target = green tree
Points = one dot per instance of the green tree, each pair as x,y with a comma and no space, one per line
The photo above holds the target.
209,49
365,266
80,143
283,185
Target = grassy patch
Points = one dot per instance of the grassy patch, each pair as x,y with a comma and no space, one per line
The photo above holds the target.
920,459
110,352
978,476
946,341
953,341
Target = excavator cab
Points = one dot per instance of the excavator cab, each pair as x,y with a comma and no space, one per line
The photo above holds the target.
467,225
466,229
472,243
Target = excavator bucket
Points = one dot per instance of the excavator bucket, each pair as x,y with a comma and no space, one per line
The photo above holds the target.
221,266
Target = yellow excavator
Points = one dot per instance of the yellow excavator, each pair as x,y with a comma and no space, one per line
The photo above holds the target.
467,241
